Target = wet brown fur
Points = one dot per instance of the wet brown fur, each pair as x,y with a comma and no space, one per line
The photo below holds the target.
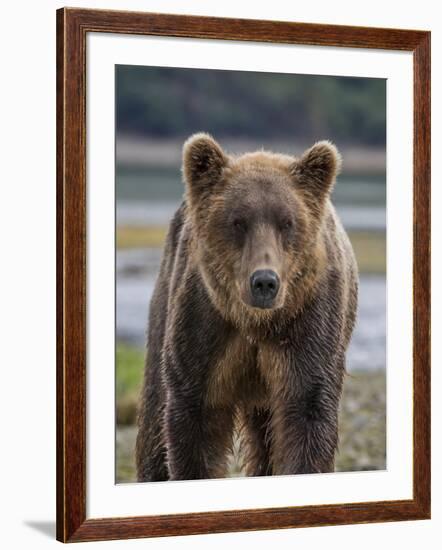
214,361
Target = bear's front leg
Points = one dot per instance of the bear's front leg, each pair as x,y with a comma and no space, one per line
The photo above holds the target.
305,405
196,434
197,438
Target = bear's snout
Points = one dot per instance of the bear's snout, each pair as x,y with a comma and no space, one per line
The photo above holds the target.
264,287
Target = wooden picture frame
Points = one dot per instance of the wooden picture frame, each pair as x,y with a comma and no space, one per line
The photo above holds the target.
72,28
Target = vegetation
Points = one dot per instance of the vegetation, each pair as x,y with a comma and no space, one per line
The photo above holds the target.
169,102
129,362
370,250
141,236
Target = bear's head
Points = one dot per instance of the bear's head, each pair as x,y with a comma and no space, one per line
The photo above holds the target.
256,220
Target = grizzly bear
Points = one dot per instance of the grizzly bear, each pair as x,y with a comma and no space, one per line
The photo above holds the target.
250,319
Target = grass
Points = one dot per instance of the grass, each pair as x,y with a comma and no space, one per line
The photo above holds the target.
369,246
370,250
141,236
129,375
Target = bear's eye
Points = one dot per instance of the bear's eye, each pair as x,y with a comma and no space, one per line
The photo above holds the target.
287,224
239,224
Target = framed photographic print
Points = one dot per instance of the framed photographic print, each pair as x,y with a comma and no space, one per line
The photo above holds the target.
243,275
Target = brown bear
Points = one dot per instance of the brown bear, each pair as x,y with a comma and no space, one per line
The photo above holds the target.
250,319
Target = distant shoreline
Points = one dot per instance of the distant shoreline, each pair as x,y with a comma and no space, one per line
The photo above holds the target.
139,152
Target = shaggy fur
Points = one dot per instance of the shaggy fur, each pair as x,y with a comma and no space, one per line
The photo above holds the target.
215,362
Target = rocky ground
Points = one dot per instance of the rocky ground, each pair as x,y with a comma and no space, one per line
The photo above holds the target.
362,429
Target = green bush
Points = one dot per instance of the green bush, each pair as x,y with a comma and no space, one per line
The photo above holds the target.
129,363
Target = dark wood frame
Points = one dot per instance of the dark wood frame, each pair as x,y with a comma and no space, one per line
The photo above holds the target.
72,28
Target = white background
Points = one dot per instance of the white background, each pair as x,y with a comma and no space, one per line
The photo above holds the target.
27,300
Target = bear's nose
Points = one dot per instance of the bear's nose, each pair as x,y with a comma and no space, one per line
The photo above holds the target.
264,284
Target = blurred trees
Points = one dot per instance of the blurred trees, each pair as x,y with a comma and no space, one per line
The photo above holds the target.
171,102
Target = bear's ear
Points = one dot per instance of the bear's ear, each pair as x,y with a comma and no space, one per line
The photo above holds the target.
203,163
318,167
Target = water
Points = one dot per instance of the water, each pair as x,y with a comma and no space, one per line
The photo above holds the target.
137,271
